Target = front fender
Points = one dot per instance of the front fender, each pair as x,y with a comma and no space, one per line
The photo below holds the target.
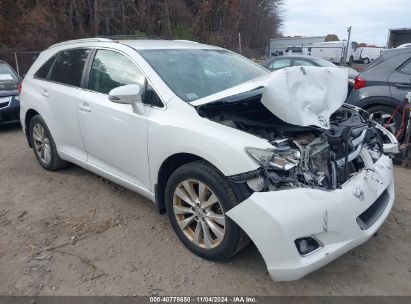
179,129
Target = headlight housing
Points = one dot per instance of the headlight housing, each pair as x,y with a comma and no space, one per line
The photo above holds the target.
284,156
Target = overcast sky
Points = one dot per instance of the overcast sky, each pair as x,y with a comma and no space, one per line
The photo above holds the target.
370,19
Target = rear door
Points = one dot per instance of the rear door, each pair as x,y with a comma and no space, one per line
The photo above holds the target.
61,90
400,80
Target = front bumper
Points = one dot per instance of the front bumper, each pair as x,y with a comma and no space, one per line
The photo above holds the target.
9,109
274,220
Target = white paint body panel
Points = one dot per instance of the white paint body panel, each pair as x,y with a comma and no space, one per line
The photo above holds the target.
301,96
273,220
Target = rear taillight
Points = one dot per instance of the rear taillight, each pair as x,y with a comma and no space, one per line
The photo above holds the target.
19,87
359,83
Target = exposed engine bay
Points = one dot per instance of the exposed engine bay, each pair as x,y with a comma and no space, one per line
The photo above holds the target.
302,156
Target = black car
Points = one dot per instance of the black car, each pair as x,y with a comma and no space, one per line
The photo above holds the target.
9,94
280,62
382,86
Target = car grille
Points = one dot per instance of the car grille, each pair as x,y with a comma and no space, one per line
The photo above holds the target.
4,104
366,219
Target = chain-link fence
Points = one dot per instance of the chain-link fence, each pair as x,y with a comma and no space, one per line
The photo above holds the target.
20,61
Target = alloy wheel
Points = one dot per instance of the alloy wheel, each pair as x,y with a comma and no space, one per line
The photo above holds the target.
41,143
199,213
388,123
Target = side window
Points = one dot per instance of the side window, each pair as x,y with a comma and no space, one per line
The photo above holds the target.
111,70
151,97
406,68
301,62
280,63
43,72
68,67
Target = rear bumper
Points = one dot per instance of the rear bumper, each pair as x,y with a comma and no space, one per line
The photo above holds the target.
9,109
274,220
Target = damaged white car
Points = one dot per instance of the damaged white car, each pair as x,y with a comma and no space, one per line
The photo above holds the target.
232,152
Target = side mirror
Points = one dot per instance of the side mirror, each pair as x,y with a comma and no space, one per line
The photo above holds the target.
128,94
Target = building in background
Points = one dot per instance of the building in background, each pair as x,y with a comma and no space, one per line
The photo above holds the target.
397,37
279,45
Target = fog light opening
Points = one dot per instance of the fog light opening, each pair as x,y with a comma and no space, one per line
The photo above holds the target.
306,245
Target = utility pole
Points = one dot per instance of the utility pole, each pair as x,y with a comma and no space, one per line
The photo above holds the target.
239,43
348,44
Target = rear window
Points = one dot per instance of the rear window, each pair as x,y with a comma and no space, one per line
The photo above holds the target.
43,72
68,67
406,68
374,63
7,73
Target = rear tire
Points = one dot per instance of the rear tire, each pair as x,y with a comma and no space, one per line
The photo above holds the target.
224,237
366,60
43,145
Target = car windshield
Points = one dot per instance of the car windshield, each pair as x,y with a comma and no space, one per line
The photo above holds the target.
6,73
323,62
196,73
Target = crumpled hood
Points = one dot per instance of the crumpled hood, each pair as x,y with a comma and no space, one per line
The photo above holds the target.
304,96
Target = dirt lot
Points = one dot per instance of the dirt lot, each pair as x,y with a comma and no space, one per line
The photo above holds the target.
73,233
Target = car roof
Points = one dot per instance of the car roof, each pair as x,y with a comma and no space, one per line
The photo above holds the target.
165,44
393,52
139,44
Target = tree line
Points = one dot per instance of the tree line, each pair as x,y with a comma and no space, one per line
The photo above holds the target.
27,25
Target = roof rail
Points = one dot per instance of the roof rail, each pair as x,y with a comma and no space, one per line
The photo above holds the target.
133,37
97,39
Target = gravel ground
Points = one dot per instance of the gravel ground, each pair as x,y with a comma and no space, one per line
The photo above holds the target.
73,233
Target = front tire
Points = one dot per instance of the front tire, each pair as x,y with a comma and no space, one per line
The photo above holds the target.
366,61
197,199
43,145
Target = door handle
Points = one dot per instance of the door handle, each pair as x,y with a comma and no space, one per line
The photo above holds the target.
85,107
45,93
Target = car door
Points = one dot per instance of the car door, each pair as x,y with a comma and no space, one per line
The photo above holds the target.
60,91
114,136
400,81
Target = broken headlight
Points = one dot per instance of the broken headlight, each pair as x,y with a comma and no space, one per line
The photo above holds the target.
284,156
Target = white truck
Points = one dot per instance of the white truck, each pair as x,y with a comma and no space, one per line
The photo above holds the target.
333,51
366,54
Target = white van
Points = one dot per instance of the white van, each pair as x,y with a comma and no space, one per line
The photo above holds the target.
366,54
333,50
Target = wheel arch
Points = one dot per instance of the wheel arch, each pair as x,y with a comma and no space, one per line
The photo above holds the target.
369,102
28,117
167,168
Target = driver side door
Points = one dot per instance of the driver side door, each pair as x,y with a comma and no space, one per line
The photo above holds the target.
114,137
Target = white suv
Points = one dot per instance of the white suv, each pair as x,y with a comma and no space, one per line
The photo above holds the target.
229,150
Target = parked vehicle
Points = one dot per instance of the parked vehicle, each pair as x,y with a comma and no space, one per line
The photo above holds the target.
333,51
405,45
297,50
366,54
382,86
9,99
280,62
229,150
